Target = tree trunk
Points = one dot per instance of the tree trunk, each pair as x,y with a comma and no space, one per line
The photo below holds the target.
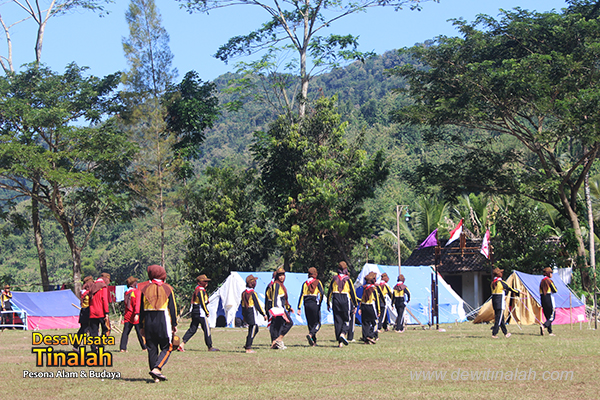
581,259
39,242
76,254
75,250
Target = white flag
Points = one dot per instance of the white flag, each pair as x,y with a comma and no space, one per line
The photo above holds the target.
485,245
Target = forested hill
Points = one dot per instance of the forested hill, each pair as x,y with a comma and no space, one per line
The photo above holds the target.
365,99
364,92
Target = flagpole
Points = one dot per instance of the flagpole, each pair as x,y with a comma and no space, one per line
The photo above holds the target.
398,211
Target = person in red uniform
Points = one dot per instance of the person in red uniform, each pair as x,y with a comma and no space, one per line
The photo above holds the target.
199,315
158,319
251,304
547,288
99,306
132,314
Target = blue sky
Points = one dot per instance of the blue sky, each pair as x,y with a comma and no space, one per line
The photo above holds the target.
95,42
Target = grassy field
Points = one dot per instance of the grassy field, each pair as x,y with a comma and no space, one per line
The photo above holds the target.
525,366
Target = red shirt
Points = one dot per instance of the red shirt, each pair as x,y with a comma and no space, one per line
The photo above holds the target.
132,304
99,304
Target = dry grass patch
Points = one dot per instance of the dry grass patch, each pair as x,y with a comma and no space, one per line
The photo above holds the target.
389,369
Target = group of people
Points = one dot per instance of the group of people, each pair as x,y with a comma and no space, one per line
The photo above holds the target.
499,291
341,299
150,308
93,311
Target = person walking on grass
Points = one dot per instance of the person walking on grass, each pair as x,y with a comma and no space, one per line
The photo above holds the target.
400,298
370,308
8,316
342,299
281,323
84,309
132,315
158,319
385,293
312,295
547,288
99,307
499,290
251,305
199,315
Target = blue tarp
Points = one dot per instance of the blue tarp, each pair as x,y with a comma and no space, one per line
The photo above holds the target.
47,304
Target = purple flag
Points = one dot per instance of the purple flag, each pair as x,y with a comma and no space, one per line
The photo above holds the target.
430,241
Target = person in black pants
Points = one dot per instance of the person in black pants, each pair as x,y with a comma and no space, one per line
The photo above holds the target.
250,304
370,309
312,295
400,297
499,290
7,317
199,315
281,322
546,289
158,318
342,299
132,314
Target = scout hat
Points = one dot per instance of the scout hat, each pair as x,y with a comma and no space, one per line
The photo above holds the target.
250,279
131,281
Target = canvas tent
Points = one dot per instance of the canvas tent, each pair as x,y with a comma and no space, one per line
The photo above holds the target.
418,281
48,310
527,309
225,302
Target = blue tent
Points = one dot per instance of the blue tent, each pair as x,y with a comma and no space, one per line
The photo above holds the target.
225,301
418,281
48,310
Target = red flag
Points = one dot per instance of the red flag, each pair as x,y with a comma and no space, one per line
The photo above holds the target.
455,234
485,245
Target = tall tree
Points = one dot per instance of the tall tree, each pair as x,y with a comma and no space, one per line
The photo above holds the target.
315,182
151,73
82,172
529,84
299,24
41,14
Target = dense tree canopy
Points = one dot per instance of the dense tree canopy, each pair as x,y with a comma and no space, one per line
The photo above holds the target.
81,172
316,182
529,84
